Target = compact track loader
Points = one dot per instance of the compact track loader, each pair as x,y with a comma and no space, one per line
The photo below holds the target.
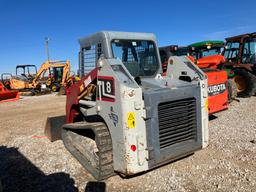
123,116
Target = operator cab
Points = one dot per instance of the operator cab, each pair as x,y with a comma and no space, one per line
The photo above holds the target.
26,72
205,48
138,56
171,50
248,53
56,73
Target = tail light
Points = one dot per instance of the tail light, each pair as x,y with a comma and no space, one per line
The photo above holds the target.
133,147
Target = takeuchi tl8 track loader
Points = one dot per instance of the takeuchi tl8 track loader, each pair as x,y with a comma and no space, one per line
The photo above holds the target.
123,116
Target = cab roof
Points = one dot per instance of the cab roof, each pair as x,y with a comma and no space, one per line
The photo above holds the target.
110,35
239,37
206,43
25,65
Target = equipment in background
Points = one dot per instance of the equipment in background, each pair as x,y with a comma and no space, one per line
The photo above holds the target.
5,79
207,54
217,79
8,95
240,54
52,76
23,78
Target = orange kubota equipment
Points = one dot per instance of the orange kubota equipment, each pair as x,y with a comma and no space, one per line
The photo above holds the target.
7,95
217,79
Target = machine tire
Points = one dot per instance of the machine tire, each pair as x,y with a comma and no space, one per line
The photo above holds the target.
62,90
232,90
54,88
98,164
245,83
48,82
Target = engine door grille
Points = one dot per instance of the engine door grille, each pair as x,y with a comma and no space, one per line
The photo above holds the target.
177,122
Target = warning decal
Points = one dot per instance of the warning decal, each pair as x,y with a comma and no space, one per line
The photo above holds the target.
131,120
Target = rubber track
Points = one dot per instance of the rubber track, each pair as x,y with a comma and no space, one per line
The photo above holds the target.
104,145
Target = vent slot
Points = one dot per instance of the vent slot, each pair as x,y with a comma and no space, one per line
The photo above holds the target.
177,122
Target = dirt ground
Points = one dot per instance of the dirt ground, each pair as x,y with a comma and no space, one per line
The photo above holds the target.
29,162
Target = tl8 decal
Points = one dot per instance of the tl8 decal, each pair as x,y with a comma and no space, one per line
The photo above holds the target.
106,87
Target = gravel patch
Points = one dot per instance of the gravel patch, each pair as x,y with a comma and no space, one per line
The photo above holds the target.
29,162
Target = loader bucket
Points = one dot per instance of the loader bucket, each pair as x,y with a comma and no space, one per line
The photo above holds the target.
53,127
7,95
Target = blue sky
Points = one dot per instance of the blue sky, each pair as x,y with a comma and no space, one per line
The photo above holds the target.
25,23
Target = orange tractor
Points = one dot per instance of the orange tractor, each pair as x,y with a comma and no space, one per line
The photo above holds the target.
23,78
240,54
206,56
7,95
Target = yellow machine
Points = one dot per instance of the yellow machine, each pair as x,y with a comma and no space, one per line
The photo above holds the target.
54,75
24,76
58,76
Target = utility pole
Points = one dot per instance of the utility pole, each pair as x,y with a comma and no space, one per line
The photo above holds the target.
47,39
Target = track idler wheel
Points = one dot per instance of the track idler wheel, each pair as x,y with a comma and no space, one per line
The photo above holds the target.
91,145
